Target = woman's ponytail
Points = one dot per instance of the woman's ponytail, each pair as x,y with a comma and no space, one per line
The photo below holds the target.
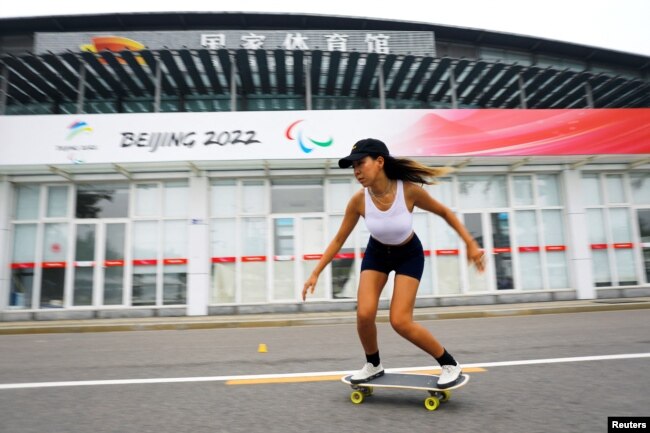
412,171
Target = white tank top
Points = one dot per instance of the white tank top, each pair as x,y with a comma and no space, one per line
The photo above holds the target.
393,226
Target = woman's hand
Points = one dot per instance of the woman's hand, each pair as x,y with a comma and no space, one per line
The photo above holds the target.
476,256
310,286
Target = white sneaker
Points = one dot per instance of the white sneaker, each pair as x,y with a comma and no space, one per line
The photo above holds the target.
367,373
449,376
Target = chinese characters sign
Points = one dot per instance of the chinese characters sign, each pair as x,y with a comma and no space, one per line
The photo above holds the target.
375,41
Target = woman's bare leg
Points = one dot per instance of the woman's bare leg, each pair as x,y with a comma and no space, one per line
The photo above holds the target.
401,317
371,285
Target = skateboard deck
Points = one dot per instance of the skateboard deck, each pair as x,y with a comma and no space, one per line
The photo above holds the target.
424,382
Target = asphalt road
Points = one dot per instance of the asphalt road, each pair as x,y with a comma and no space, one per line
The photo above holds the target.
542,396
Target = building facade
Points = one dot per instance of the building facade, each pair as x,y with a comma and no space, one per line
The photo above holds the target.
193,171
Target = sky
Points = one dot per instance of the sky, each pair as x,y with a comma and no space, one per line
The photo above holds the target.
620,25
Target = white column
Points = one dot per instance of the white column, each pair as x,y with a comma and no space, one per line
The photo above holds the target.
6,206
198,268
581,273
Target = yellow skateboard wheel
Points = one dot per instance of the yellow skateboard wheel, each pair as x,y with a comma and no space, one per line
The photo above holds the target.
446,395
357,397
432,403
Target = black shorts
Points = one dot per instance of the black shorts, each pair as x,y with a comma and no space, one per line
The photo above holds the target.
406,259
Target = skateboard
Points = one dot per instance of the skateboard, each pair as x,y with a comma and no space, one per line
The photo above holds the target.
425,382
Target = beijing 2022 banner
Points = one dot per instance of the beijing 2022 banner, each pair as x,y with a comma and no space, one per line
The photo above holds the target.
319,134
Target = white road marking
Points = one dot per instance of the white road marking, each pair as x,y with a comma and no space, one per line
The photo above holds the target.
33,385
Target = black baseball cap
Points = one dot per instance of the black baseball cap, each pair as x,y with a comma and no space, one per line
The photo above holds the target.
363,148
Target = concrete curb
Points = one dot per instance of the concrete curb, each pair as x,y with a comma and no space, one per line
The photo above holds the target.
311,319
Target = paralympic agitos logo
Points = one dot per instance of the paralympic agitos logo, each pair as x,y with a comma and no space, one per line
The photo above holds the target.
306,143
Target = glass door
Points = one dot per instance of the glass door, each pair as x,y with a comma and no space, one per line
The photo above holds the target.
312,235
491,230
99,261
284,259
502,249
85,263
643,217
113,274
298,244
477,226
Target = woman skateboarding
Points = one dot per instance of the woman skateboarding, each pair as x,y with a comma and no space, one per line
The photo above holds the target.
392,188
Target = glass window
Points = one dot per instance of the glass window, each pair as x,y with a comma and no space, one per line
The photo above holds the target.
560,62
174,274
313,244
447,258
293,196
223,198
502,259
553,234
625,266
531,271
338,195
483,191
443,191
643,219
253,197
147,199
24,243
600,264
254,232
599,257
224,235
115,252
175,236
619,221
27,202
55,247
176,199
22,275
523,189
548,190
145,254
343,269
640,183
253,269
527,228
615,189
224,253
57,201
558,277
477,282
474,224
623,253
529,258
145,240
507,56
55,242
553,227
596,226
421,227
84,270
283,259
591,185
102,201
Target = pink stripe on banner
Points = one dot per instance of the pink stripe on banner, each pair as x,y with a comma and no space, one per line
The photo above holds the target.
496,132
